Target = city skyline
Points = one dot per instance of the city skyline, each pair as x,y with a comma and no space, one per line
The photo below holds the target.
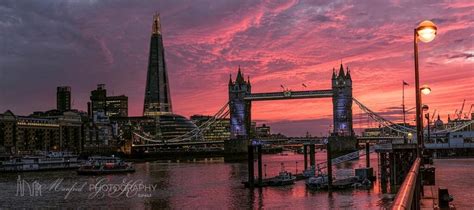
290,43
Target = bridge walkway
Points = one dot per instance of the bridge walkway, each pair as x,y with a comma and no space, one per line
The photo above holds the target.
345,158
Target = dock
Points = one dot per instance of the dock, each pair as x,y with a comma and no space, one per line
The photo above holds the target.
266,182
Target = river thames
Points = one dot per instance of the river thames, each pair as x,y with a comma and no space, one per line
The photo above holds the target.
209,184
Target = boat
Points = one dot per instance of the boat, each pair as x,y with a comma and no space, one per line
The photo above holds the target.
283,178
317,182
345,182
311,172
40,162
98,165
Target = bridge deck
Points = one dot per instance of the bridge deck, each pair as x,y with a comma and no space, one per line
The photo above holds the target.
289,95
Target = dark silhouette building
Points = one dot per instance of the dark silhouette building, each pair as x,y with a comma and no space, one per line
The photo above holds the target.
117,106
157,93
108,105
28,134
98,100
218,131
63,98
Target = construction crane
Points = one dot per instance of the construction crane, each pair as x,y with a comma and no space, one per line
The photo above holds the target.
459,114
432,116
466,116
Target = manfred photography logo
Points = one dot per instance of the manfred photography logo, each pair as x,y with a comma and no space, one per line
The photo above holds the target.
100,188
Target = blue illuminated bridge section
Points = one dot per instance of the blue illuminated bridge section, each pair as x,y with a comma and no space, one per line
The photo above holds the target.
288,95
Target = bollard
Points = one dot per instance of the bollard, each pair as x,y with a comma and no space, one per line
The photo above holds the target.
329,166
251,178
367,155
259,163
305,153
311,155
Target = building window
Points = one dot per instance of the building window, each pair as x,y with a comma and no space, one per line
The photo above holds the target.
468,140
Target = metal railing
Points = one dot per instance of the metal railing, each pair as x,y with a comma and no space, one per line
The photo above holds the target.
408,196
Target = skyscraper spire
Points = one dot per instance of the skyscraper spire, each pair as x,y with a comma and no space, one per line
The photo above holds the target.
156,28
157,93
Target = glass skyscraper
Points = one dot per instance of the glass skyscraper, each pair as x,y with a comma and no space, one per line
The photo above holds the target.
157,93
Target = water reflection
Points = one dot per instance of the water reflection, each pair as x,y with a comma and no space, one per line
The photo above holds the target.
201,183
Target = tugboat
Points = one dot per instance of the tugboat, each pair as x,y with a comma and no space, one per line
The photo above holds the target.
98,165
283,178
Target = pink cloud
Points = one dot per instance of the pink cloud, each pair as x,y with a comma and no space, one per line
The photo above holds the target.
279,42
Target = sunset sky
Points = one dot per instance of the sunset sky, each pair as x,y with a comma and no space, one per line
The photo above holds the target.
80,43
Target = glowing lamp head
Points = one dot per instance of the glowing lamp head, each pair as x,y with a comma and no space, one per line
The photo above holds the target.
425,90
410,136
426,31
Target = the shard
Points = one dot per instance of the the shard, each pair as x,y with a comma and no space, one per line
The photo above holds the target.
157,93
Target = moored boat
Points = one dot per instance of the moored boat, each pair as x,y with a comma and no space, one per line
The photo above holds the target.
309,172
40,162
345,182
317,182
98,165
283,178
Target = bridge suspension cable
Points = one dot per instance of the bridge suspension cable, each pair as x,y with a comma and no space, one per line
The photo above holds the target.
383,121
403,129
457,127
345,158
193,134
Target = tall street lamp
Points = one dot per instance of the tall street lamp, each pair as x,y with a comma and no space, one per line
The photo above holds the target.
424,108
425,32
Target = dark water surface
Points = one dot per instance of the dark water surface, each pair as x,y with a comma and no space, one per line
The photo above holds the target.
458,176
203,184
190,184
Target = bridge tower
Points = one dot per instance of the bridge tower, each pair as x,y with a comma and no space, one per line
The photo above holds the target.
239,114
343,133
342,102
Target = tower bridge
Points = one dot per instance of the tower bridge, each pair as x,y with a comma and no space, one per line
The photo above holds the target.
240,103
238,108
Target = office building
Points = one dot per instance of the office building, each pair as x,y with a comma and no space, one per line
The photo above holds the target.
63,98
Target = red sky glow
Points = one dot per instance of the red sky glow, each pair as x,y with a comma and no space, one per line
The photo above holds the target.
284,42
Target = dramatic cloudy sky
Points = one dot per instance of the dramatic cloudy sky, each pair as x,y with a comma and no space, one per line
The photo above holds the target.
80,43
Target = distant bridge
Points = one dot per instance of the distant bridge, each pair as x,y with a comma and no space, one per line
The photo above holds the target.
187,143
290,140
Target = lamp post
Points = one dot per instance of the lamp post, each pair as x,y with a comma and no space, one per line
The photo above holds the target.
424,108
425,32
427,116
